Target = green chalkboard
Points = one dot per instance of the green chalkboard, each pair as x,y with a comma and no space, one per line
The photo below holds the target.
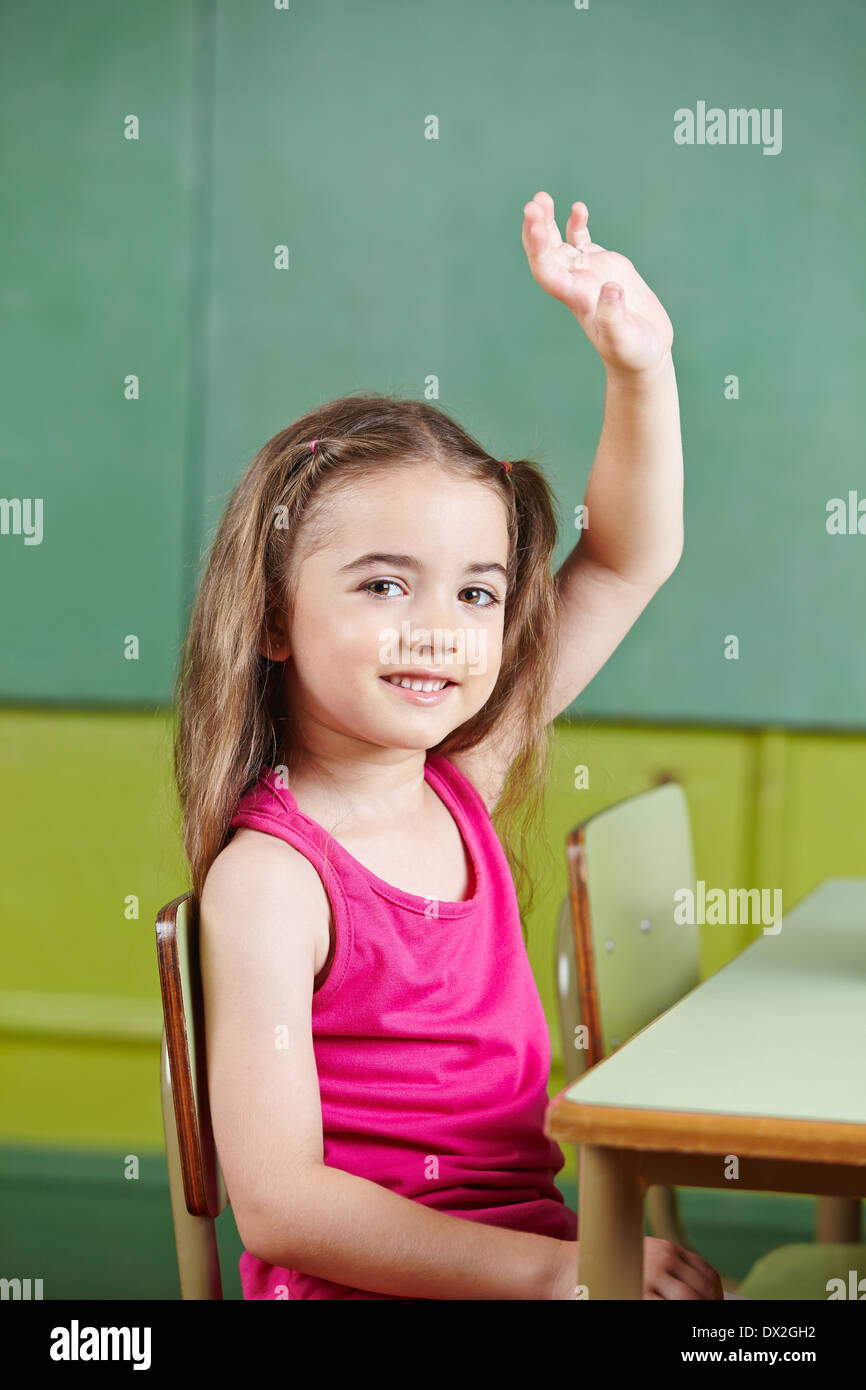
96,288
406,262
307,127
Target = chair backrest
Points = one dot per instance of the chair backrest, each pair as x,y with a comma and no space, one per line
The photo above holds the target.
568,995
622,958
198,1191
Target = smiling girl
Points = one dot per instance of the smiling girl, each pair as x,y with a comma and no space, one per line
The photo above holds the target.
376,654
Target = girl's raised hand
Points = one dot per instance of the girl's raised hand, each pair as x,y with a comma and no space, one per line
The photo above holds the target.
631,332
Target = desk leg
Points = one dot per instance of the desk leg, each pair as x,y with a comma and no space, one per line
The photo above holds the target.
838,1221
610,1223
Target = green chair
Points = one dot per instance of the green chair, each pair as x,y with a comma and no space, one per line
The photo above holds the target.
804,1272
198,1191
621,961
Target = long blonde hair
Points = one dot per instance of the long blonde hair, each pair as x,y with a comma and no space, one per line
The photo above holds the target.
230,720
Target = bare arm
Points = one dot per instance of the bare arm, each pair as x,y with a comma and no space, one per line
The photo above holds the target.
633,535
338,1226
264,917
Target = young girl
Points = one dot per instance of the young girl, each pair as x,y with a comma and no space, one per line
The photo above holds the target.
376,654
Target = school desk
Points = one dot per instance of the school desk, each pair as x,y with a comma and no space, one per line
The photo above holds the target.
755,1079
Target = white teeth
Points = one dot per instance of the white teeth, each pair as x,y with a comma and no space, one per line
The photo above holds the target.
409,684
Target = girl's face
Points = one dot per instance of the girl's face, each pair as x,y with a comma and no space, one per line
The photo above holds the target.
410,584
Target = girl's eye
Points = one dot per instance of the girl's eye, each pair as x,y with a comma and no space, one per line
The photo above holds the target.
491,598
369,587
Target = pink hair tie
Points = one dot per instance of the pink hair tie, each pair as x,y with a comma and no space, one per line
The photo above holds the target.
313,443
506,465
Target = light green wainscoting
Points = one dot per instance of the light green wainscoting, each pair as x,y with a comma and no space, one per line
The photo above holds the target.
90,831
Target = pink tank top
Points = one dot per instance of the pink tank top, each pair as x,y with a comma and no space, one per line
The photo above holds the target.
431,1044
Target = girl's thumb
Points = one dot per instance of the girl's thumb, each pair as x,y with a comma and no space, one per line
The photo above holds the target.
611,303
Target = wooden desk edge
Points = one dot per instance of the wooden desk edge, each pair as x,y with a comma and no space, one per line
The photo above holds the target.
676,1131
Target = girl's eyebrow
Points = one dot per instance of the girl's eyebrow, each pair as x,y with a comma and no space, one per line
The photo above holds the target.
410,563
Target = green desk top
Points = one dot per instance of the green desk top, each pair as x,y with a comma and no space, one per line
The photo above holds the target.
780,1031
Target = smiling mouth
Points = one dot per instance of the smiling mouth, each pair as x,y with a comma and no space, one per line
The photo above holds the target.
421,683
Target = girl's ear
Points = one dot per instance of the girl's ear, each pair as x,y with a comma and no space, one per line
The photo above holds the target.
272,643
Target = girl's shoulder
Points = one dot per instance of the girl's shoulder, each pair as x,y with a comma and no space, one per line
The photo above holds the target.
256,876
253,857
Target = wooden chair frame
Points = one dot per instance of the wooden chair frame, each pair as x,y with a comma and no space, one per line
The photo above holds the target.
196,1184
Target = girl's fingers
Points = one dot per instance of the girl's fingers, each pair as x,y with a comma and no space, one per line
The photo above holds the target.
543,232
691,1257
577,229
673,1286
709,1282
700,1277
536,230
545,202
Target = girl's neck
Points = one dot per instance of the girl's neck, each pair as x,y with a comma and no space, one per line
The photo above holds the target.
331,790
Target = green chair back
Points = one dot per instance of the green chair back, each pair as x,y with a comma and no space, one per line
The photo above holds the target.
633,958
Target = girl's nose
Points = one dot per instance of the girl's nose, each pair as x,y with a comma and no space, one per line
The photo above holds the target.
438,633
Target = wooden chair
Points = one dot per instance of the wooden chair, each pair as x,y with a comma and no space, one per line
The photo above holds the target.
621,960
198,1191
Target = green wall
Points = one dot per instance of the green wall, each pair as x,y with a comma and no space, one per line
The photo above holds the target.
91,821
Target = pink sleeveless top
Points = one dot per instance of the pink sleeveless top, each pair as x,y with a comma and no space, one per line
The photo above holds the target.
431,1044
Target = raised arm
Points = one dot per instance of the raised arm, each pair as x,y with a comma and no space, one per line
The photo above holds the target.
633,543
631,538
